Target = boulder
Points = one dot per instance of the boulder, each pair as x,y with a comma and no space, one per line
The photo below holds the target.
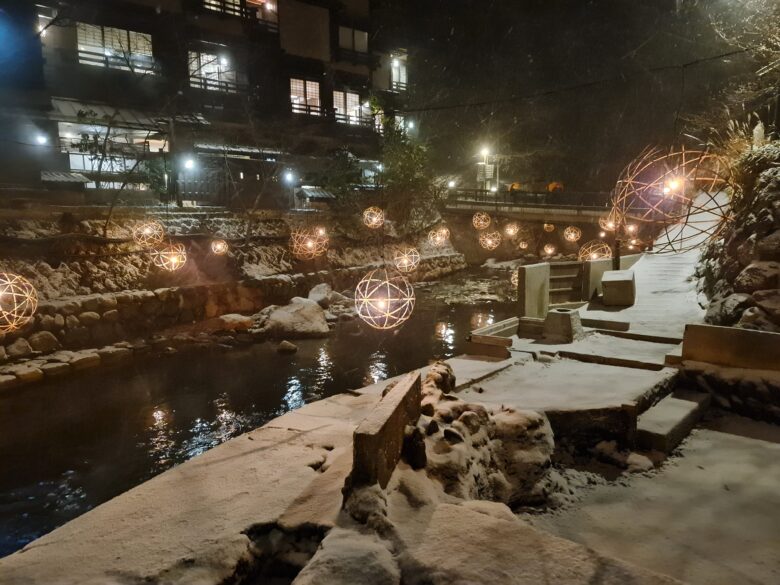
320,294
728,310
301,318
44,341
769,301
19,349
236,322
89,318
761,275
286,347
347,557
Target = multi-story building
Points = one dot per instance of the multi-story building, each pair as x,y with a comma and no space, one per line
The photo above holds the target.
211,100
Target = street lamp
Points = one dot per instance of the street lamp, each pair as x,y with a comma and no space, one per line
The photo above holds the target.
450,184
289,178
189,164
41,139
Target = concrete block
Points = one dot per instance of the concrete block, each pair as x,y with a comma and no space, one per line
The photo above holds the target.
379,437
562,326
533,289
731,347
595,269
618,288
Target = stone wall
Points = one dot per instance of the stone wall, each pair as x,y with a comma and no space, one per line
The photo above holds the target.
740,272
99,319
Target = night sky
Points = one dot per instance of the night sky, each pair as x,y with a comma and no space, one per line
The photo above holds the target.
466,51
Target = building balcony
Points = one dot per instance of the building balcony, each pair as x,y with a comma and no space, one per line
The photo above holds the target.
219,85
307,109
356,57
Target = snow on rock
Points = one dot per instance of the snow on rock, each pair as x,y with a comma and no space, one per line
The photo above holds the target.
347,557
320,294
235,322
301,318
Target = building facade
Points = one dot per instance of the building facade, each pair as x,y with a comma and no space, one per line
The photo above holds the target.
211,101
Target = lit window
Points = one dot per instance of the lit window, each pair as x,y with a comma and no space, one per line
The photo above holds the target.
305,96
353,39
347,106
212,72
398,73
115,48
224,6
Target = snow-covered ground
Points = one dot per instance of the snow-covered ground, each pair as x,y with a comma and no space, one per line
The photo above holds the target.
709,517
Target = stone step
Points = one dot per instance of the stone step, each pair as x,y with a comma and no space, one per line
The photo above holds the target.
665,425
566,281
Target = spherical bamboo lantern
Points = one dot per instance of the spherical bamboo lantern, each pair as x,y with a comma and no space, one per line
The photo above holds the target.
321,232
549,227
490,240
480,220
572,234
219,247
594,250
610,221
170,257
373,217
511,229
523,245
384,300
549,249
515,278
149,234
439,236
406,259
18,301
307,244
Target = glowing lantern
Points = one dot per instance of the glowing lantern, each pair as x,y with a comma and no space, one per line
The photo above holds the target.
522,245
219,247
321,231
406,259
481,220
149,234
170,257
439,236
549,249
610,221
515,278
374,217
572,234
549,227
594,250
18,301
384,301
308,244
490,240
511,229
631,228
602,234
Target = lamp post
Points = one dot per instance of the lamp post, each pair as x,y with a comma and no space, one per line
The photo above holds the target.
289,178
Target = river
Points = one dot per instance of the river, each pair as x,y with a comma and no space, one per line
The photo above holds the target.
68,446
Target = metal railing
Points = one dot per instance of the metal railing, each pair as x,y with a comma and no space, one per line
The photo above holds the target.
594,200
209,84
307,109
399,86
117,60
353,120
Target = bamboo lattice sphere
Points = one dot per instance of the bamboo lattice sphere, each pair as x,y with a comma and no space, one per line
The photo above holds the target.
594,250
682,191
490,240
373,217
572,234
439,236
549,227
321,231
480,220
610,221
523,245
511,229
406,259
149,234
549,249
307,244
219,247
170,257
384,301
18,301
515,278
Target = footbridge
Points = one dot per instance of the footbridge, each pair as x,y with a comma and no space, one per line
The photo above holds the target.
561,206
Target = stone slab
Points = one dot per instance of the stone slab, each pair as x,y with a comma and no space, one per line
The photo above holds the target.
618,288
379,438
666,424
731,347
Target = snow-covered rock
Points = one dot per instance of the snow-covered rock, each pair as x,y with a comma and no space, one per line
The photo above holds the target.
301,318
320,294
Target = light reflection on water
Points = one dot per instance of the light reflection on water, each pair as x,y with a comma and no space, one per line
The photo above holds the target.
94,437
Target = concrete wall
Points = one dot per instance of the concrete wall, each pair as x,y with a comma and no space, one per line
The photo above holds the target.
593,270
533,289
731,347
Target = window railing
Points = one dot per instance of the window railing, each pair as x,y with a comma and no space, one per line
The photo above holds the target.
115,60
357,57
111,148
209,84
307,109
399,86
227,7
366,121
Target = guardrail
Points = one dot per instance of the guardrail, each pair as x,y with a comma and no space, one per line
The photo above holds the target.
529,199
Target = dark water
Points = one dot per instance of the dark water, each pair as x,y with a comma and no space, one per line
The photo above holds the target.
67,447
